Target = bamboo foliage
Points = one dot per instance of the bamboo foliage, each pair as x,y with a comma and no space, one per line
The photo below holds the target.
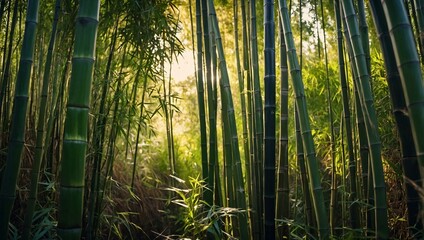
113,104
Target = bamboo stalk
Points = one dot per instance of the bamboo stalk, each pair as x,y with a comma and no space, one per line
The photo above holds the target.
19,112
75,133
315,185
229,107
371,124
39,150
283,197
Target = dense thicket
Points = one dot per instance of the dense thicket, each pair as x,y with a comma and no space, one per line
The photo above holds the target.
294,119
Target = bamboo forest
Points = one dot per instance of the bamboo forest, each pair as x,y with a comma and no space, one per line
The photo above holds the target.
211,119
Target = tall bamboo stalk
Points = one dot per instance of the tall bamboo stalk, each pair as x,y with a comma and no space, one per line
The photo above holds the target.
250,180
269,117
257,112
75,133
283,201
333,198
300,155
228,101
370,117
7,62
201,102
408,66
315,184
353,197
39,150
419,13
17,133
400,112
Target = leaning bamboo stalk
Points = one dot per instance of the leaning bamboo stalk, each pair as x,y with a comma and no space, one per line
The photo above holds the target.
315,184
371,124
228,101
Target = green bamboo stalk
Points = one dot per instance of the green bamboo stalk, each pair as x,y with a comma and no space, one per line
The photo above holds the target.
228,101
140,120
315,185
400,112
283,198
300,155
110,152
419,13
211,98
363,143
363,28
75,133
7,61
131,110
249,166
269,117
17,133
258,121
416,28
408,66
241,79
231,225
333,197
99,130
371,124
353,197
318,31
201,103
39,150
166,107
2,6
